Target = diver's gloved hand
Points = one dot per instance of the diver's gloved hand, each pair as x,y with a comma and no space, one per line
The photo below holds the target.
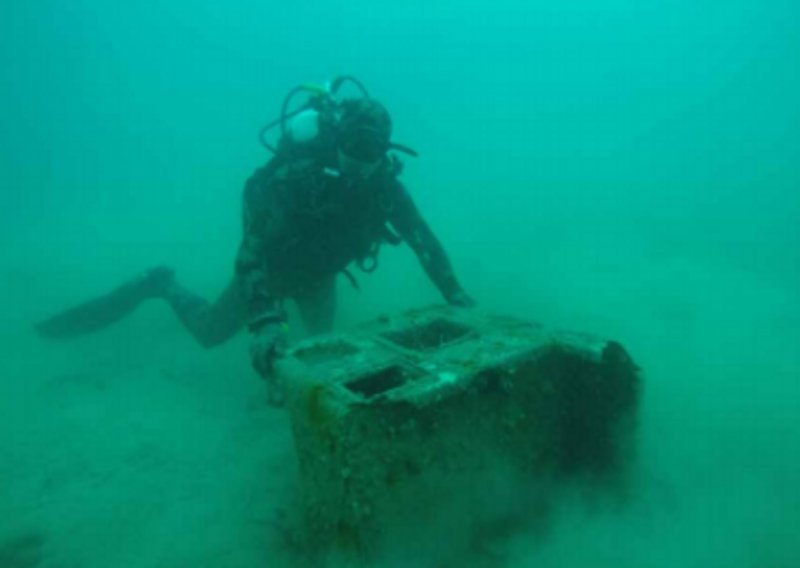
268,344
461,299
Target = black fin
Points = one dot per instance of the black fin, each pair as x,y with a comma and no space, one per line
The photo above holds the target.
99,313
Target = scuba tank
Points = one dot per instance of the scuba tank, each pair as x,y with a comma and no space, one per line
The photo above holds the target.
314,122
314,119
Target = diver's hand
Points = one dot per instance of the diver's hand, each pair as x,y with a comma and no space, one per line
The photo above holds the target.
268,344
461,299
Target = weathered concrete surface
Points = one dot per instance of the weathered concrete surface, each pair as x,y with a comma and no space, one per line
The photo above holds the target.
411,425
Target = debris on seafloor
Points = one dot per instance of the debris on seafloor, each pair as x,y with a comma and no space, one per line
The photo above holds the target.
428,426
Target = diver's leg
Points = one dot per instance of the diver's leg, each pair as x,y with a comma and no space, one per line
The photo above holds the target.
101,312
209,323
317,306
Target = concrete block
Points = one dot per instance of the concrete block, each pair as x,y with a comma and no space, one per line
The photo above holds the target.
413,428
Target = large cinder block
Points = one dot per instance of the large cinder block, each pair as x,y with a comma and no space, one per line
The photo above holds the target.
407,428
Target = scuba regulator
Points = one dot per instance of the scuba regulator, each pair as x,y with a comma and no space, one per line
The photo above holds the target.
315,119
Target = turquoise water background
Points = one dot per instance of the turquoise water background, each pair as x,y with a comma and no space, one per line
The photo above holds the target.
629,169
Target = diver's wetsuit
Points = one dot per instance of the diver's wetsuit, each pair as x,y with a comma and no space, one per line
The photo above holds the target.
304,222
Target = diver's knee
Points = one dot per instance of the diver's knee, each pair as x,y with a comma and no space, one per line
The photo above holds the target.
213,336
210,341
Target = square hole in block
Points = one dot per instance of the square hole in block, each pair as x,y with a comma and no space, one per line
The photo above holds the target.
432,335
379,382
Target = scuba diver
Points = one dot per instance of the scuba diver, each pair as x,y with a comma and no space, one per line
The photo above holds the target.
329,197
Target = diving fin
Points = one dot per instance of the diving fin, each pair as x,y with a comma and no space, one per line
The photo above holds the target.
99,313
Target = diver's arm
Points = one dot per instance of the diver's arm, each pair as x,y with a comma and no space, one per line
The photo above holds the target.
259,225
408,222
266,319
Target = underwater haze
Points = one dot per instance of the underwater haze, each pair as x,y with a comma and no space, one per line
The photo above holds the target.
622,168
